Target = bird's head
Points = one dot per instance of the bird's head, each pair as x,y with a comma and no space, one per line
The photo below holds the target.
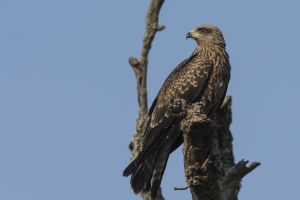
207,34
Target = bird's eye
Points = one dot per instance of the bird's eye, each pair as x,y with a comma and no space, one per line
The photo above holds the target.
204,30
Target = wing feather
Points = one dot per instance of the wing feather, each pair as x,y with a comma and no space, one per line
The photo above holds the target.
186,81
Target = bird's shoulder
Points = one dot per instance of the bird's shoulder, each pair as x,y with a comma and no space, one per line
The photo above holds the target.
191,73
185,81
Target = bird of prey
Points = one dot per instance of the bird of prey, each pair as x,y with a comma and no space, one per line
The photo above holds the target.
203,78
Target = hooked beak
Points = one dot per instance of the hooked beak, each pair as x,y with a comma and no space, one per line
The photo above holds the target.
188,35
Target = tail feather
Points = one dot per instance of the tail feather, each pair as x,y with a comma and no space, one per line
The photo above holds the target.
148,168
141,179
132,167
148,150
158,172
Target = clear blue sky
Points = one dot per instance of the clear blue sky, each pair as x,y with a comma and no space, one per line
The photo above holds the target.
68,100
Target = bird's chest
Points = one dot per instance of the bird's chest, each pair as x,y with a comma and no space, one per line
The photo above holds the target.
216,86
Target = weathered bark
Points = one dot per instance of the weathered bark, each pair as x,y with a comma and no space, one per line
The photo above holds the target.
139,66
208,156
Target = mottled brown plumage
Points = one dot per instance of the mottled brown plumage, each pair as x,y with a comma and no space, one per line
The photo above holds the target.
203,77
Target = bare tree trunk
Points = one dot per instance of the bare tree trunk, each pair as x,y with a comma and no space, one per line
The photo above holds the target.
208,156
139,67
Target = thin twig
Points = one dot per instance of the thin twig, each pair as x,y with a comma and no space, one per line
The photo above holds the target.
182,188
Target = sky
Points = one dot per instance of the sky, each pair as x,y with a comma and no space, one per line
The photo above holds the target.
68,96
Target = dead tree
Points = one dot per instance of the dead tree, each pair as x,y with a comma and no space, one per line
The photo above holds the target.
211,173
139,66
